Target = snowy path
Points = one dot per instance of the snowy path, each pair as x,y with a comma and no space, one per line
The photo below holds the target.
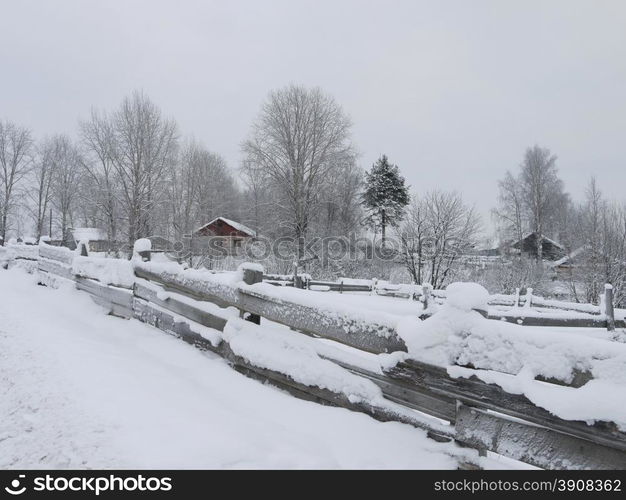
79,389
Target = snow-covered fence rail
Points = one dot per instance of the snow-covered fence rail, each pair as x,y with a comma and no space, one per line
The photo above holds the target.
488,418
527,309
204,309
293,308
20,255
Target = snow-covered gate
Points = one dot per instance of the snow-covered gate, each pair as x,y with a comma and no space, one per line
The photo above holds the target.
206,310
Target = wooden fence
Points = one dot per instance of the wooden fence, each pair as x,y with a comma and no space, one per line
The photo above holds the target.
519,309
475,414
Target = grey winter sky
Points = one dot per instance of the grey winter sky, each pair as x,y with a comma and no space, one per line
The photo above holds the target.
452,91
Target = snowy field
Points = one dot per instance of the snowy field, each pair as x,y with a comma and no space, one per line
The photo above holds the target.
79,389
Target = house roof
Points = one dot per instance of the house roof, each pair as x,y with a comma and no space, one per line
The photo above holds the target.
238,226
528,235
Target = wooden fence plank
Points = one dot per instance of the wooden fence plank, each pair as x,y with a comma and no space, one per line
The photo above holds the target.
532,444
182,308
410,395
219,294
146,313
120,296
55,267
59,254
474,392
590,322
352,331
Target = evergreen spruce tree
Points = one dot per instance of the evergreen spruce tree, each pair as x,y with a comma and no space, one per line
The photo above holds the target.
385,196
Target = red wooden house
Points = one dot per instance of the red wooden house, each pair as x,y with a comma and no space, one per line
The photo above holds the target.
230,234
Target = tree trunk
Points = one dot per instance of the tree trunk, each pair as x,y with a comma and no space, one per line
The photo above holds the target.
4,228
383,224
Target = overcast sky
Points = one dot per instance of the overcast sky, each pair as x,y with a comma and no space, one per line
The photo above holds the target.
452,91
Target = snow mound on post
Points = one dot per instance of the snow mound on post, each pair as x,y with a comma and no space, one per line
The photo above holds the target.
142,245
247,266
467,296
251,266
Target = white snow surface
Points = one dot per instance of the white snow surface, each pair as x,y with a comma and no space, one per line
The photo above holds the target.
142,245
79,389
285,352
365,309
467,296
514,355
88,234
21,250
117,272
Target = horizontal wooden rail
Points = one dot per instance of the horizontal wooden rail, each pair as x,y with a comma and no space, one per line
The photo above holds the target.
480,415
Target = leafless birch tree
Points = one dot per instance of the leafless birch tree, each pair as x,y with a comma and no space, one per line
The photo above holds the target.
439,228
98,146
40,192
542,190
300,135
145,146
66,175
16,145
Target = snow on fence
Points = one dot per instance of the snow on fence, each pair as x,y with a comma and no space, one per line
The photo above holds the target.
544,398
528,309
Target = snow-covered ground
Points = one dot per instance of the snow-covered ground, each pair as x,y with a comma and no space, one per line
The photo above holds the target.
79,389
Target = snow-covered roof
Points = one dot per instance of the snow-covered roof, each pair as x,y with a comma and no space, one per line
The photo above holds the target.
550,240
238,226
571,255
88,234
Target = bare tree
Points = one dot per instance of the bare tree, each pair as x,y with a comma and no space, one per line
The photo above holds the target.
438,230
16,146
145,147
300,135
66,175
98,146
534,200
215,191
41,190
542,190
258,197
341,205
414,238
182,191
510,209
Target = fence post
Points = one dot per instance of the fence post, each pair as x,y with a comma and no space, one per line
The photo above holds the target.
608,307
83,249
426,289
529,297
251,275
516,299
143,248
341,286
297,281
373,285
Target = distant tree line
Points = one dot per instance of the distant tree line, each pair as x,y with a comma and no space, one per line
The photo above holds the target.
129,172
